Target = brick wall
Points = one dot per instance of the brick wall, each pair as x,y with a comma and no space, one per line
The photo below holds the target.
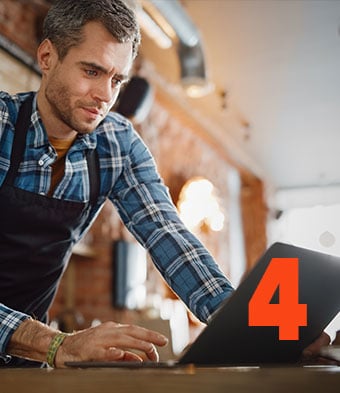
21,22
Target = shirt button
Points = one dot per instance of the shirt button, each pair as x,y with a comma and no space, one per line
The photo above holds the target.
41,162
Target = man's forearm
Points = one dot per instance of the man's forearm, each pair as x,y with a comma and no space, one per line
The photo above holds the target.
31,340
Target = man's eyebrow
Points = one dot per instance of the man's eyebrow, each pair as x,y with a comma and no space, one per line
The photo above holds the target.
98,67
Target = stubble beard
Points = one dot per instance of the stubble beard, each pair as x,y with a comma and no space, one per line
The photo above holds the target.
58,97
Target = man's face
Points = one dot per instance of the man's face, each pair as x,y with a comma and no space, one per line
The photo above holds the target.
81,89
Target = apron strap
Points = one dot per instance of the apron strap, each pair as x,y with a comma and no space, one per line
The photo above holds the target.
19,144
19,141
92,160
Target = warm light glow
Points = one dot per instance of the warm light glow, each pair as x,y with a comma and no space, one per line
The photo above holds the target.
197,87
199,207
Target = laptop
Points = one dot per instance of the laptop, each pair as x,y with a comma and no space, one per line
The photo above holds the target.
282,305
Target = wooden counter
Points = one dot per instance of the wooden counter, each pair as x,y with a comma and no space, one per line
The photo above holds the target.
189,380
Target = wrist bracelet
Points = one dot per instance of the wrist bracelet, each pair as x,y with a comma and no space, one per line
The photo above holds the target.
56,342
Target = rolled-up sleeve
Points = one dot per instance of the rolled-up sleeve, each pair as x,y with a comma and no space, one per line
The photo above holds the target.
9,322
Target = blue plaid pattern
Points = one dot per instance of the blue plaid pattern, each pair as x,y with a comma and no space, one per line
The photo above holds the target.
129,178
9,321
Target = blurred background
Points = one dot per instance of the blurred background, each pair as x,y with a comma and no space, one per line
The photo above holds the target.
239,102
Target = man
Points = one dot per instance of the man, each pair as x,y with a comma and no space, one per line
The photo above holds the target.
62,155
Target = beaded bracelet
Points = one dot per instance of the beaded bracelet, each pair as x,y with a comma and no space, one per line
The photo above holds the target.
57,340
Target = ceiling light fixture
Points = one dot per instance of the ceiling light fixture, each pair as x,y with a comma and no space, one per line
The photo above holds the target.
193,72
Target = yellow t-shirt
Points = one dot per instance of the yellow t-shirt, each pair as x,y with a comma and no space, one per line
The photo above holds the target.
58,167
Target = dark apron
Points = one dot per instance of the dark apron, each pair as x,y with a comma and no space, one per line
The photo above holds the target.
37,234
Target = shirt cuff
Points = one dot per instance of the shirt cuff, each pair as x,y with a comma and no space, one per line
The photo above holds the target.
9,322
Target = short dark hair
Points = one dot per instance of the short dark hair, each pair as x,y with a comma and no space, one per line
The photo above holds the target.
65,20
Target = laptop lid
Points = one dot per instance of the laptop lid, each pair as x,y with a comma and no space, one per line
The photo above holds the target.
282,305
231,338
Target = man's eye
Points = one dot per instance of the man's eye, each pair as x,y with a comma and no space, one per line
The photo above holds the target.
116,82
91,73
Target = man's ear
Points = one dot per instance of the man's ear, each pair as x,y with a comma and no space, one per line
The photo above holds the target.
46,55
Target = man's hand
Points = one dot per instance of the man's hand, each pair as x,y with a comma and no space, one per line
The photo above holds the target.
110,341
311,354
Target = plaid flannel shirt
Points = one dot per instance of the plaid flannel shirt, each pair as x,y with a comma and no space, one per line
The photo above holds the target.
130,180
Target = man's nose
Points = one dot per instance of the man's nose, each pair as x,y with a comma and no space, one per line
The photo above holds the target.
103,91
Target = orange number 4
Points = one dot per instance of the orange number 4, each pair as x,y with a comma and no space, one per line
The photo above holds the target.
288,314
